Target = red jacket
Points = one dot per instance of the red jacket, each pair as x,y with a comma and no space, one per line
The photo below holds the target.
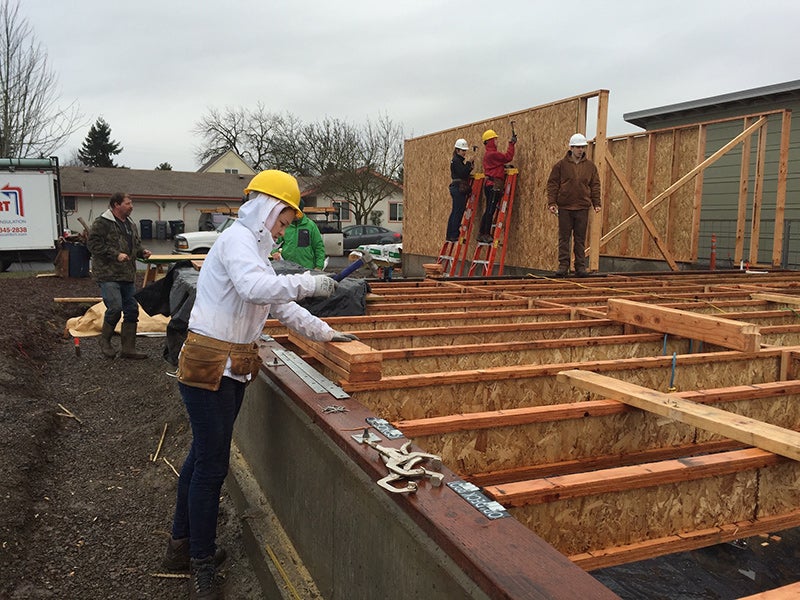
494,161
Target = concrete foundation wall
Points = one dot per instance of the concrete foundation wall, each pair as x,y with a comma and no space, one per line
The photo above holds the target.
354,541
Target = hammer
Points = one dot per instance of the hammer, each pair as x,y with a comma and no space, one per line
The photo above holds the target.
365,259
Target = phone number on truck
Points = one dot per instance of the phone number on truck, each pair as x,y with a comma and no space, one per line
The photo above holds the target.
13,230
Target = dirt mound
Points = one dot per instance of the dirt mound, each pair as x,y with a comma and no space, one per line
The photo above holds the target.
84,511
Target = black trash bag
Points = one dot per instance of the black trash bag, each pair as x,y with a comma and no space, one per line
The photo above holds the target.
349,299
154,298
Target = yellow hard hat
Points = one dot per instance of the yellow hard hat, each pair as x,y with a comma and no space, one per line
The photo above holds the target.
489,134
279,185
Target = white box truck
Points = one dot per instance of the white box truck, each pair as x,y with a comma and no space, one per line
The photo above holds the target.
32,217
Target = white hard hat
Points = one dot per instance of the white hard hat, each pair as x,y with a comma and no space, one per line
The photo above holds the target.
461,144
578,140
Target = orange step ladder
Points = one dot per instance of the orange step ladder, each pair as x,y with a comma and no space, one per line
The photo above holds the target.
499,232
454,254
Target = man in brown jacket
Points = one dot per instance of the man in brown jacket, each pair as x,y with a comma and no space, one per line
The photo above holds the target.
572,189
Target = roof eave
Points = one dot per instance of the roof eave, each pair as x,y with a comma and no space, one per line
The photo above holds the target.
643,117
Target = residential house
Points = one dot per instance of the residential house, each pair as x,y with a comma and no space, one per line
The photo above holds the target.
180,198
227,162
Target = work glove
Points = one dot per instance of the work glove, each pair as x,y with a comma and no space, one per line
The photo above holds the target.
338,336
514,139
324,286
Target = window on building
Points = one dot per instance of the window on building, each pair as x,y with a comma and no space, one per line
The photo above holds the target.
344,210
234,171
69,203
395,211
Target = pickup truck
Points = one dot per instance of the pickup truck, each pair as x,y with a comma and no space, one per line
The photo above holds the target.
200,242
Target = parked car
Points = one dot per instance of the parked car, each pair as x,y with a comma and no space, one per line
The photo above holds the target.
200,242
359,235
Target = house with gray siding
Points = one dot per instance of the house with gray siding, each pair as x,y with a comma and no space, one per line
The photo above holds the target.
721,181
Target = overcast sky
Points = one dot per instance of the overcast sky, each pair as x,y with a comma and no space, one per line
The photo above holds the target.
151,69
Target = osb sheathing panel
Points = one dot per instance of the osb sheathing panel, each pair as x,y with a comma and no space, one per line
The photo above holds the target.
779,488
781,339
681,202
543,134
674,154
480,451
630,155
488,337
583,524
541,356
487,394
470,452
455,321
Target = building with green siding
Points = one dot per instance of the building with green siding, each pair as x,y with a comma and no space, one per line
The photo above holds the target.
721,182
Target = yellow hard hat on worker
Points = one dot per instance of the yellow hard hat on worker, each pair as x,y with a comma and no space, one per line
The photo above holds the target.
489,134
279,185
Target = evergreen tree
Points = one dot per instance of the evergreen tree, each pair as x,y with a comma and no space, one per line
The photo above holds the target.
98,148
165,166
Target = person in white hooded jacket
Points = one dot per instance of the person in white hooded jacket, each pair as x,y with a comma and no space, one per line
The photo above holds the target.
236,291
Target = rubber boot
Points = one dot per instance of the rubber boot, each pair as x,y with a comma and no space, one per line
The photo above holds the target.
105,340
129,342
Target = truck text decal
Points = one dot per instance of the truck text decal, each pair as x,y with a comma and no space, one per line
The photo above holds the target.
15,200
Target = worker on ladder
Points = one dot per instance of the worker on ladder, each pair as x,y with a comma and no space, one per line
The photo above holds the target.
494,163
460,172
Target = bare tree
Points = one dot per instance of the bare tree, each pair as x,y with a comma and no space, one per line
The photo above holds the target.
358,165
370,169
263,139
33,124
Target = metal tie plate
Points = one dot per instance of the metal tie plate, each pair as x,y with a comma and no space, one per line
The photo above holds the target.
312,378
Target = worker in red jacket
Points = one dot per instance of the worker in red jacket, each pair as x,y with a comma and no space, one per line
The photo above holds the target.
494,163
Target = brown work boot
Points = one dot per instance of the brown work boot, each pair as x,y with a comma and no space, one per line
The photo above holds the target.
176,558
129,342
105,340
203,581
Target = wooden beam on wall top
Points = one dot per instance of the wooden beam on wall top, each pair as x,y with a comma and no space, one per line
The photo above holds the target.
727,333
698,169
766,436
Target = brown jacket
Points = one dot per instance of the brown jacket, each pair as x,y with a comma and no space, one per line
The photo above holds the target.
573,186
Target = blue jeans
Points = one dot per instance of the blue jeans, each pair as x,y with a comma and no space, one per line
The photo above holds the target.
492,198
457,213
212,415
119,300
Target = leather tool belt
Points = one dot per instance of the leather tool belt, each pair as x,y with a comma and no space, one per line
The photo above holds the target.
202,361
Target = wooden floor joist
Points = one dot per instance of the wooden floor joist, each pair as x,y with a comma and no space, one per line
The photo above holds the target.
722,332
581,410
497,412
762,435
779,298
690,540
551,489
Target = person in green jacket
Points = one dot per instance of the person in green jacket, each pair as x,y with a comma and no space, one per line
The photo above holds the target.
302,243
